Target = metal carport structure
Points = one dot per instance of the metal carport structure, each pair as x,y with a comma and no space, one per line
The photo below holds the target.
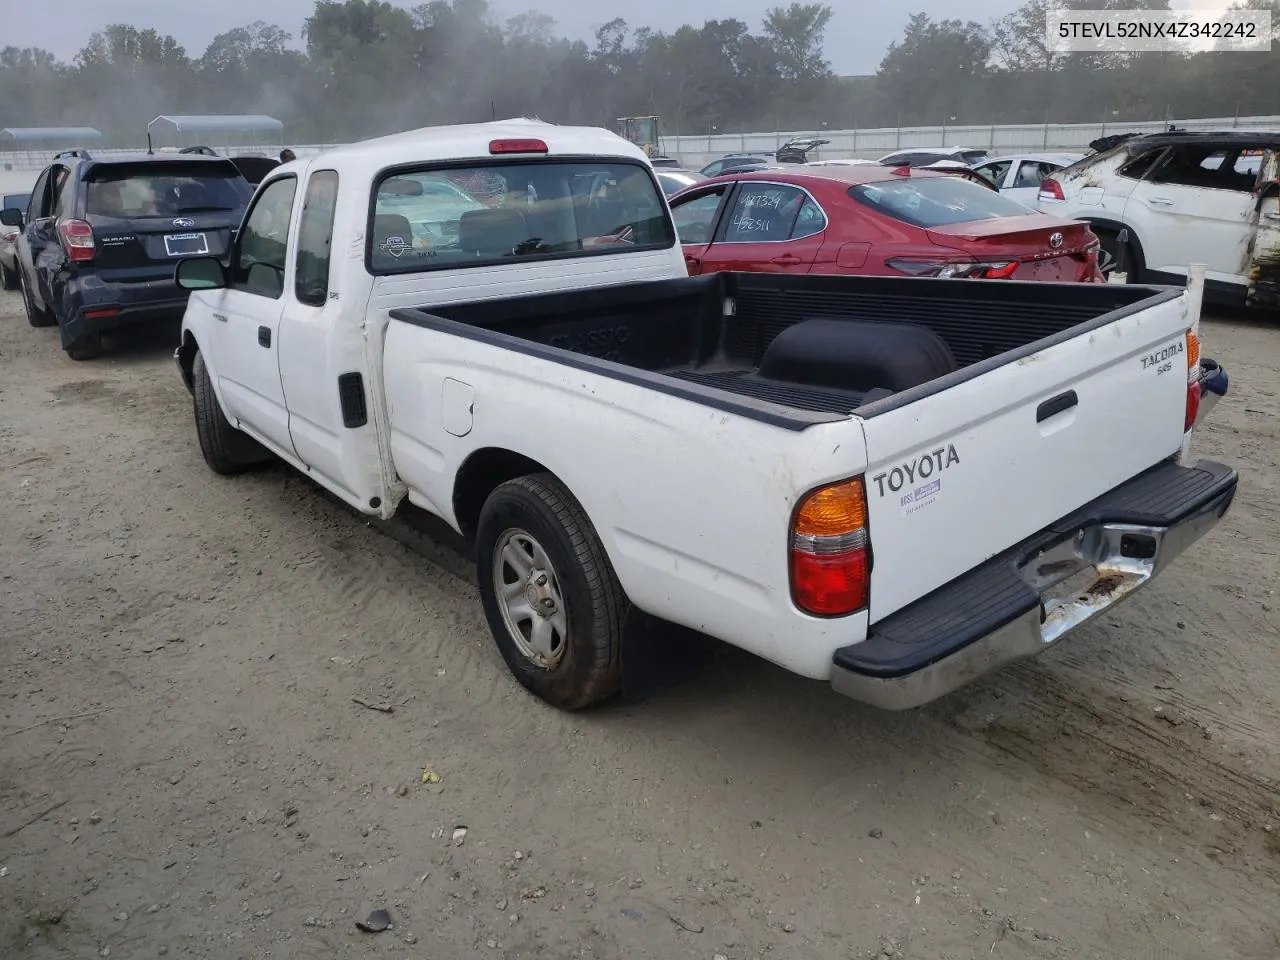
24,148
224,130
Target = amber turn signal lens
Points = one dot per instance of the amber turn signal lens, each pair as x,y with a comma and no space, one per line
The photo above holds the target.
831,511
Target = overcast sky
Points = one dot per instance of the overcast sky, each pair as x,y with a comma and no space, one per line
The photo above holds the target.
858,36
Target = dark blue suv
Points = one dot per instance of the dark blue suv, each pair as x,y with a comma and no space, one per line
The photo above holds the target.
100,238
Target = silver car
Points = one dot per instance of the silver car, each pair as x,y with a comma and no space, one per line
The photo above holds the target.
8,239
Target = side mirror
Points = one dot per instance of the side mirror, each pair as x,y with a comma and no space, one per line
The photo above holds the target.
200,273
11,217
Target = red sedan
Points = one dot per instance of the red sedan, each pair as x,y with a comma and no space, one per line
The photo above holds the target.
872,220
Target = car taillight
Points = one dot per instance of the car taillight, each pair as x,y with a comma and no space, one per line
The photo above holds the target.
830,550
967,269
10,236
1051,189
1193,381
77,238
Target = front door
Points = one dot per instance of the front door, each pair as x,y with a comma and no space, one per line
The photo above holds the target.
247,311
1264,255
696,216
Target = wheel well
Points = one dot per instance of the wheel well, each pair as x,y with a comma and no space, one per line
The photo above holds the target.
479,476
187,360
1114,227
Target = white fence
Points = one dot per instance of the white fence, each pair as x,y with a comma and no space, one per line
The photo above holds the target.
869,144
18,169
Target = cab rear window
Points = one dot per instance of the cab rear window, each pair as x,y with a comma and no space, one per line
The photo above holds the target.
446,219
138,191
935,201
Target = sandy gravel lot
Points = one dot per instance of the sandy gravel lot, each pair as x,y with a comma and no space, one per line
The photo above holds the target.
184,773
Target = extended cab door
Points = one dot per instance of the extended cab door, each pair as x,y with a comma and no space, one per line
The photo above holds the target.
1196,206
770,228
322,354
246,314
697,214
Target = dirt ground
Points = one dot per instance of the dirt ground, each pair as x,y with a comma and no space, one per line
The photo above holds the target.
184,772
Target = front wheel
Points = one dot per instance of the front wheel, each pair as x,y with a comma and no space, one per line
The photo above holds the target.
552,599
226,450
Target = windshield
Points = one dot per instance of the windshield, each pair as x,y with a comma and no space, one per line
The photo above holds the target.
446,219
936,201
164,190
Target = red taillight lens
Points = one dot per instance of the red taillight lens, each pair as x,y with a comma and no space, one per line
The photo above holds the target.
1193,406
830,551
517,146
10,236
77,238
956,269
1051,189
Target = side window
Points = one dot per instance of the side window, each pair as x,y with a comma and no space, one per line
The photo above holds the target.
994,173
764,212
1203,167
696,218
315,239
1031,172
713,169
811,220
1141,165
38,193
894,160
260,249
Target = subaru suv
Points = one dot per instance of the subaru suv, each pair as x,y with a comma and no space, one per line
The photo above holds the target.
99,240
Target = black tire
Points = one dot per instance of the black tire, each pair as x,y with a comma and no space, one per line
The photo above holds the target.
589,664
1113,253
226,450
37,318
8,279
87,347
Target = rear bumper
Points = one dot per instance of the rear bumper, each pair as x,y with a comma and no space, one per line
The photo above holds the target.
1003,610
97,306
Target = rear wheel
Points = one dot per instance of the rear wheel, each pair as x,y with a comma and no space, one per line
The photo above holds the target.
226,450
35,316
552,600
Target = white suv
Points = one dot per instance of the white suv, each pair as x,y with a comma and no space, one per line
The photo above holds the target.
1161,202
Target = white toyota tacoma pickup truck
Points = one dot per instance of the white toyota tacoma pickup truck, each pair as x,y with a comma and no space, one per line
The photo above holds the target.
893,485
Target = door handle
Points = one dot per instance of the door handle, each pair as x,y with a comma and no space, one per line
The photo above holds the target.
1056,405
1162,201
787,259
264,336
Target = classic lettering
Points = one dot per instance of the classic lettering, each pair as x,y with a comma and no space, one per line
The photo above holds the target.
923,466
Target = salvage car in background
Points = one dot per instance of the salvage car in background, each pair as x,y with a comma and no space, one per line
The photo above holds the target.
873,220
1019,177
98,243
1167,200
673,181
8,240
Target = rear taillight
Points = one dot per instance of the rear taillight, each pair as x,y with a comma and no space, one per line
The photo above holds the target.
830,550
77,238
1193,381
1051,189
10,236
959,269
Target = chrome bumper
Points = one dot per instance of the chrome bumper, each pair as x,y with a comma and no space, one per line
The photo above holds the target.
1002,611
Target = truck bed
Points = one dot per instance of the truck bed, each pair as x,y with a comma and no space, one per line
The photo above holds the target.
707,338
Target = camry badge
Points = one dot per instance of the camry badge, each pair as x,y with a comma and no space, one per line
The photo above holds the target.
1055,240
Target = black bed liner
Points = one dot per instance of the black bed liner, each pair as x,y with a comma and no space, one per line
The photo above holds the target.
703,338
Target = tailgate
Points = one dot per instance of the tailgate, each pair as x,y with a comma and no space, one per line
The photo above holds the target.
959,475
